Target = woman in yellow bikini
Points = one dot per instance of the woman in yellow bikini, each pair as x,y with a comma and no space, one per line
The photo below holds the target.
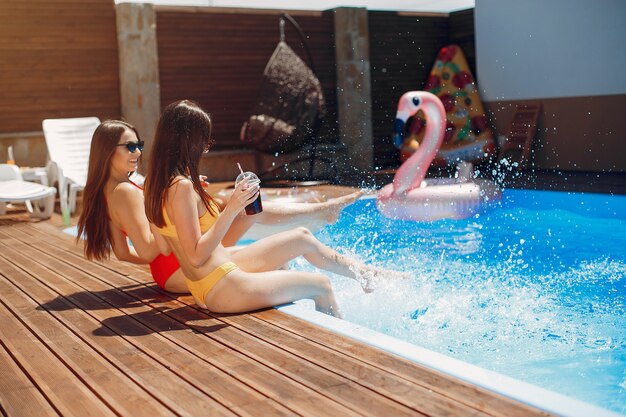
113,209
228,280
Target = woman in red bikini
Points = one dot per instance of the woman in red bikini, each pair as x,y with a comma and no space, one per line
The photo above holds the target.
113,209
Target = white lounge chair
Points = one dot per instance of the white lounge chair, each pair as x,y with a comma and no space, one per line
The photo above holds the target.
39,199
69,142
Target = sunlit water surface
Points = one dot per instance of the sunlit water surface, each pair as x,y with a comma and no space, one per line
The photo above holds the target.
534,289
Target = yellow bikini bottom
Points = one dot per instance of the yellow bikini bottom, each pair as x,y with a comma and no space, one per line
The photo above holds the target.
200,288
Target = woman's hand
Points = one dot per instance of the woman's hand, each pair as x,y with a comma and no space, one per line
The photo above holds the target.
245,193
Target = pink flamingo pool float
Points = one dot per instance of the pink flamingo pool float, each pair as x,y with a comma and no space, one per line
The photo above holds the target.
410,196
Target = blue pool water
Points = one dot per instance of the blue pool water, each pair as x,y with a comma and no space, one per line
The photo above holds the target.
534,289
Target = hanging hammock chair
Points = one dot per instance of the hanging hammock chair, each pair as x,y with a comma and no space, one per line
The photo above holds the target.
290,106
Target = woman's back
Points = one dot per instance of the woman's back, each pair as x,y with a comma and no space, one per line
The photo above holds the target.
176,205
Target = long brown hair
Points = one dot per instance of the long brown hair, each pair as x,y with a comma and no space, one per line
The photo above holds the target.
183,132
94,218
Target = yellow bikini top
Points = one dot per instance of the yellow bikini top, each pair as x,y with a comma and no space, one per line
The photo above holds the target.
206,221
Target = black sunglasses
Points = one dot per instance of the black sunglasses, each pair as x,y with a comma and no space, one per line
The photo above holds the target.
133,146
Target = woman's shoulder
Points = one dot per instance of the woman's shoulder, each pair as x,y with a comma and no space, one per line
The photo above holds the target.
181,183
181,190
122,199
125,192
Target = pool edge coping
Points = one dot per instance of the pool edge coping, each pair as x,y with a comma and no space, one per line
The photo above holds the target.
515,389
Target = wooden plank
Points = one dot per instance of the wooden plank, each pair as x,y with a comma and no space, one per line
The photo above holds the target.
301,371
358,373
414,396
387,383
64,389
113,387
365,354
19,397
367,401
469,394
229,361
177,395
166,385
114,270
449,387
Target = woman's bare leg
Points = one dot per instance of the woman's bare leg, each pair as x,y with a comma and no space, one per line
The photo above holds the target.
241,291
297,213
271,252
234,249
288,215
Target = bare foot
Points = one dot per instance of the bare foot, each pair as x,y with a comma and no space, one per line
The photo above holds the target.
334,311
335,205
367,277
327,307
370,277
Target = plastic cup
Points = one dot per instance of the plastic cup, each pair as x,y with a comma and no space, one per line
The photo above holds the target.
256,206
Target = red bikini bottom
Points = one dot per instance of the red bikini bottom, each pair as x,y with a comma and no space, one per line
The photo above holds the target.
162,268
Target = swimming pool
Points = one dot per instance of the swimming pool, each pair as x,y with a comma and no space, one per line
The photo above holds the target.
534,290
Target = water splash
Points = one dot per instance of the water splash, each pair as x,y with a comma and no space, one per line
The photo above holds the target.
537,294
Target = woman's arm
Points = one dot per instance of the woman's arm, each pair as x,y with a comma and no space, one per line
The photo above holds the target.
239,227
121,249
127,208
183,211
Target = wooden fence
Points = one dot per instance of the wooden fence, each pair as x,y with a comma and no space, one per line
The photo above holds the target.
217,56
403,48
58,58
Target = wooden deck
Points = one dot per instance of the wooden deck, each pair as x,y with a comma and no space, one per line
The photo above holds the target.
80,338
